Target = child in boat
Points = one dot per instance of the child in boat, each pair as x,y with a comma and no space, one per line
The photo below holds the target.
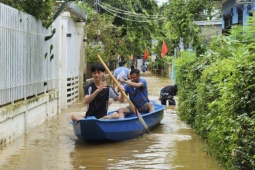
97,95
138,94
168,93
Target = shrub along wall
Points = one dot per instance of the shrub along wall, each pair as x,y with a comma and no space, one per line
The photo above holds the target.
217,94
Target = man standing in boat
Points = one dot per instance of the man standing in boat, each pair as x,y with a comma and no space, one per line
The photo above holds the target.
97,95
138,94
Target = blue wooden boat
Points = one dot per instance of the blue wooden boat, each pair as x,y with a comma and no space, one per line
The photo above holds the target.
92,129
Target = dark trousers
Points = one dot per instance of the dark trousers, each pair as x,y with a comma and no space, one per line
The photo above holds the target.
166,97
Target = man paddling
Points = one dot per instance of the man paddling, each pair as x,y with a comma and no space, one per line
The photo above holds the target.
138,94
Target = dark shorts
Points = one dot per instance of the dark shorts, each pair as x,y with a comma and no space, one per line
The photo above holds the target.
141,110
166,97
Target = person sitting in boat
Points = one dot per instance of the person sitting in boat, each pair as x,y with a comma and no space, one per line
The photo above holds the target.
137,90
168,93
97,95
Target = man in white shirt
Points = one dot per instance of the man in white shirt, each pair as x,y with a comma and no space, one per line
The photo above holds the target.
121,72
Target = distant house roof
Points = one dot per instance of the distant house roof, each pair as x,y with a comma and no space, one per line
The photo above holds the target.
74,9
210,28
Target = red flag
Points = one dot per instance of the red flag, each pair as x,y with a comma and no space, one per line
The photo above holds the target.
146,55
164,49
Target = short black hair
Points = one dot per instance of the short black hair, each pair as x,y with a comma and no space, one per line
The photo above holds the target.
121,63
97,67
135,71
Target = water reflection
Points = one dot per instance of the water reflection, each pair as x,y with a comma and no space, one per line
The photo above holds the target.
171,145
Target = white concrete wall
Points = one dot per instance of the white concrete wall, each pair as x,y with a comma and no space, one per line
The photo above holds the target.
18,118
20,113
210,28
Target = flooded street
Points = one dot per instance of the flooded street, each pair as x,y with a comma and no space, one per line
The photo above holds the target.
52,145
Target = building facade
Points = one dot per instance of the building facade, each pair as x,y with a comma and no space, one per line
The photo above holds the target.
235,12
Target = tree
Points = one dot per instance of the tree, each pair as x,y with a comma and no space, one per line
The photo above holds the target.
180,23
103,37
139,22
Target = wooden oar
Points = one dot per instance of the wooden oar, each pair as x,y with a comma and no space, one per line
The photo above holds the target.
123,93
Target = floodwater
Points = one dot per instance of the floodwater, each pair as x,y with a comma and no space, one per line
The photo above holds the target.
53,146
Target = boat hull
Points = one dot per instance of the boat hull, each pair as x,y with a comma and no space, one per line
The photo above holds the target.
92,129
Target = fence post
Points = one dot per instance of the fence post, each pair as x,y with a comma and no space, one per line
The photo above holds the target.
173,65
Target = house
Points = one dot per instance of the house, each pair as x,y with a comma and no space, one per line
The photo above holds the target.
210,28
235,12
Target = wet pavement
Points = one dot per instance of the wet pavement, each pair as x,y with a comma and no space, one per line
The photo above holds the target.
52,145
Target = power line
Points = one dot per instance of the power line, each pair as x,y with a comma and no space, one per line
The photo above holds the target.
128,12
96,6
138,17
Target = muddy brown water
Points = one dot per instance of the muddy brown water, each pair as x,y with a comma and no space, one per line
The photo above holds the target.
53,146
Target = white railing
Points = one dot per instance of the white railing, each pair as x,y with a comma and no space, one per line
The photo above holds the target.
24,69
72,90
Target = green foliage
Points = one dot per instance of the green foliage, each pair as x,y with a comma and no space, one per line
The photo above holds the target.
105,39
136,35
159,62
168,59
40,9
180,23
91,54
50,36
120,35
216,95
188,70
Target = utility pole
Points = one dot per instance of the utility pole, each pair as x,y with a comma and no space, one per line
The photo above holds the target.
96,5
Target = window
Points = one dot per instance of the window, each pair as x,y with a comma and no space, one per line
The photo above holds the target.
227,21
